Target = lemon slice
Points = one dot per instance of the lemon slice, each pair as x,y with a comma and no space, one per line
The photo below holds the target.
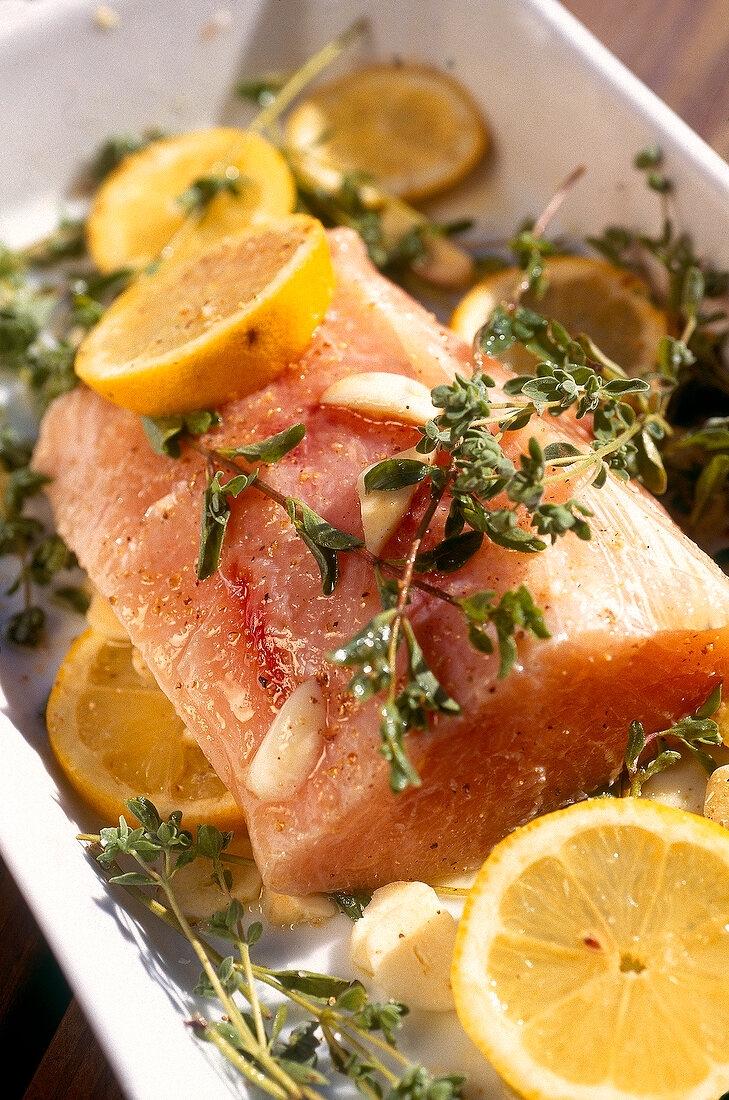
412,128
137,210
610,305
196,334
592,956
116,735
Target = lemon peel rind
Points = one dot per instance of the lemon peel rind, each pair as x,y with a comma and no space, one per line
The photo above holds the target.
498,1038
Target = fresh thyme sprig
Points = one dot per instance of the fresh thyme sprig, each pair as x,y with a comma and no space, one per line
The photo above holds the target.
472,470
197,197
690,733
49,295
334,1016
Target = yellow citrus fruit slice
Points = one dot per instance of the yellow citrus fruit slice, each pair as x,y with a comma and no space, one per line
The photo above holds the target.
592,956
611,306
141,205
116,735
196,334
412,128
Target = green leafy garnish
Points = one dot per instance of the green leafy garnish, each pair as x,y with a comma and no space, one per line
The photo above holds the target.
201,192
215,516
268,450
692,732
323,540
334,1016
166,433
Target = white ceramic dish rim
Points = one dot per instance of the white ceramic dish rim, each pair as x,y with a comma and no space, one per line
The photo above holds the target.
150,1058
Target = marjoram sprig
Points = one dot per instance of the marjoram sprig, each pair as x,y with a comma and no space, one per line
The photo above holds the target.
335,1028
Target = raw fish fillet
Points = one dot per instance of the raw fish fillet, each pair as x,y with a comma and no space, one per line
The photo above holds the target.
639,616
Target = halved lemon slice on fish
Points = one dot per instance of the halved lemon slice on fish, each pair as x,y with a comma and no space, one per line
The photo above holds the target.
223,324
412,128
590,962
610,305
116,735
143,204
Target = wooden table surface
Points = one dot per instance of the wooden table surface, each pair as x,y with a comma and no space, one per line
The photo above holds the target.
680,49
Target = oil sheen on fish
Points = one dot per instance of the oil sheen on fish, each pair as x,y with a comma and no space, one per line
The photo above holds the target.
639,617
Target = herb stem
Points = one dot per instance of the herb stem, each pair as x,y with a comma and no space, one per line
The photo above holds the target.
406,579
361,1049
155,907
251,1072
304,75
595,456
248,1040
323,1013
255,1003
557,199
541,224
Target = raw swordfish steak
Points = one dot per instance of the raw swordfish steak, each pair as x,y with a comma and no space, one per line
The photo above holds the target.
638,616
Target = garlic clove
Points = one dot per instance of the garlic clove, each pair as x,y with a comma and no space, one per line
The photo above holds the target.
383,510
382,396
405,942
716,804
291,748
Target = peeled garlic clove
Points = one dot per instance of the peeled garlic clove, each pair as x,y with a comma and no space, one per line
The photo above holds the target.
382,396
291,748
716,804
384,510
444,263
405,942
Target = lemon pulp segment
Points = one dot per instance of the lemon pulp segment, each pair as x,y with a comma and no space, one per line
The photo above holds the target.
413,129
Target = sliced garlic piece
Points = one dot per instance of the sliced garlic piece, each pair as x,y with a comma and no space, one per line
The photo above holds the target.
716,805
384,510
405,942
285,909
198,894
382,396
444,263
292,746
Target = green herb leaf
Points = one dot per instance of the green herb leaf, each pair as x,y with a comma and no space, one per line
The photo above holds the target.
215,516
515,610
268,450
323,540
395,473
115,149
165,433
310,984
26,627
352,905
201,192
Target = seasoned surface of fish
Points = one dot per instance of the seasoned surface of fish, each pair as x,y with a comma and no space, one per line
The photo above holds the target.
639,617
